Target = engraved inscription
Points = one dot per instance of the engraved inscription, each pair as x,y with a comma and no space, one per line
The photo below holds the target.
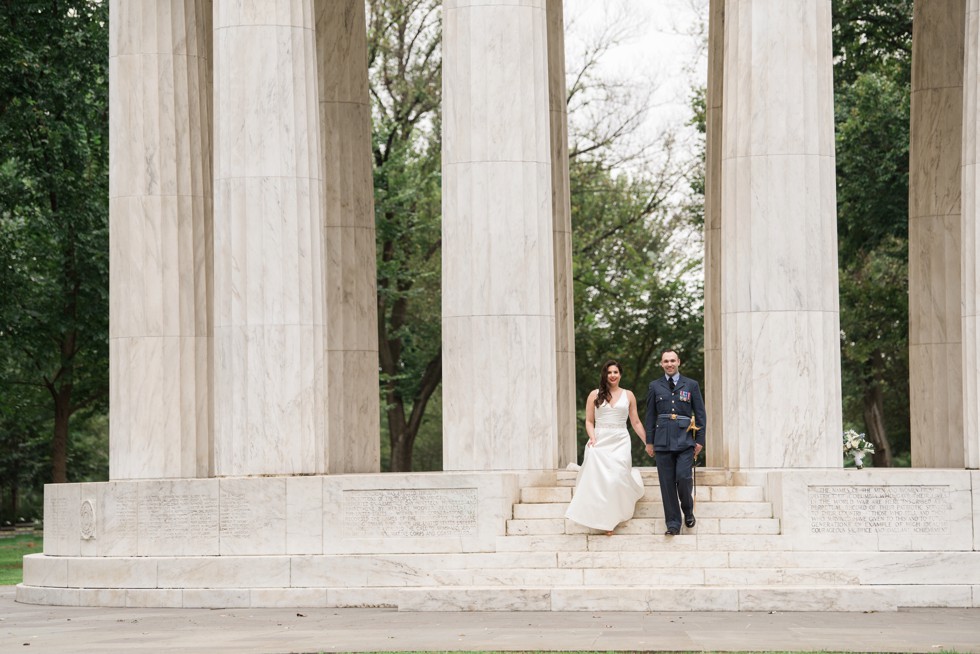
119,516
879,509
236,517
86,521
177,517
57,517
416,512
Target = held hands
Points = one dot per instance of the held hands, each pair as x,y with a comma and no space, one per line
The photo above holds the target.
649,449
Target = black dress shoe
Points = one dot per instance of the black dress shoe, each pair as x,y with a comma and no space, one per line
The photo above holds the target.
672,532
690,521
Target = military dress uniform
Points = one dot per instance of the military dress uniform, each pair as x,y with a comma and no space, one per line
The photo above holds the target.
668,416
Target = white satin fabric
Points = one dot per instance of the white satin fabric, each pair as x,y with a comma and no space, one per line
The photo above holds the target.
607,487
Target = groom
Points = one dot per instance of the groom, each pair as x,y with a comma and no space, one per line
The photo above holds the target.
672,400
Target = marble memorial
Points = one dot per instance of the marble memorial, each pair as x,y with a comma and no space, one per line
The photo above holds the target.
244,458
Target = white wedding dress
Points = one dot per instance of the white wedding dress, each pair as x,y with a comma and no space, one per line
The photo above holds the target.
607,487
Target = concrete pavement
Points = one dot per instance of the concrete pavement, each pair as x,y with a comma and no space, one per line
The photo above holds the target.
75,630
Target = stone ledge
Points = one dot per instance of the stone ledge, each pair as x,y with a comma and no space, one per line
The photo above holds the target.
527,598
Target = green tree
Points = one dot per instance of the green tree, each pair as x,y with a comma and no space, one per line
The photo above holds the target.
872,35
638,288
636,235
872,41
404,58
54,214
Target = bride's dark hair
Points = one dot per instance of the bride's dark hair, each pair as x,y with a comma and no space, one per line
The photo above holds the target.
604,394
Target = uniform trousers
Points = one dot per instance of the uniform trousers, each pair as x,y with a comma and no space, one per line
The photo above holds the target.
676,485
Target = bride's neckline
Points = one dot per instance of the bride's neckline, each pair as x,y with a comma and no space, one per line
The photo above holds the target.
609,402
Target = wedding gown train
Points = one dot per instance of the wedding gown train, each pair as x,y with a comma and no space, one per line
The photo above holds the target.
607,487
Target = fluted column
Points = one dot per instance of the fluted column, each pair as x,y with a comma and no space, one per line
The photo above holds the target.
562,228
353,419
717,450
498,289
935,156
971,239
780,323
269,391
160,238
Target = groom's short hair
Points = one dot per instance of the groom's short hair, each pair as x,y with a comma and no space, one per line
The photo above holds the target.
672,350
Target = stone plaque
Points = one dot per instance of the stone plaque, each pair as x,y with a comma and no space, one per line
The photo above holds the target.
177,517
57,517
236,517
915,510
410,512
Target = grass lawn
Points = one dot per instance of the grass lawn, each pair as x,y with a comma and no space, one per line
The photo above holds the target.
11,552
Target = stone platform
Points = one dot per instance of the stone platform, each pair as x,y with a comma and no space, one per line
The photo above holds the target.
868,540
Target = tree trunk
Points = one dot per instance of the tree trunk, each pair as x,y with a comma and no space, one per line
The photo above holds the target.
874,420
59,442
402,432
398,434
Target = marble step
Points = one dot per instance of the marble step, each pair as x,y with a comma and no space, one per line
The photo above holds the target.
706,477
682,565
637,597
654,542
648,509
640,526
746,597
651,493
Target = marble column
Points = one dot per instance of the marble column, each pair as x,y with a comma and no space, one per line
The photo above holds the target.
562,229
971,239
353,424
717,448
935,155
498,287
779,312
269,320
160,252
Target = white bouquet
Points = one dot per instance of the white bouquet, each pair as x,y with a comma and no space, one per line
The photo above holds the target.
857,446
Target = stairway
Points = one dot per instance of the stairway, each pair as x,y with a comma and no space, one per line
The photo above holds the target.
734,559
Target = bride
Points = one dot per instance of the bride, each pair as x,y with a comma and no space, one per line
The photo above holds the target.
608,487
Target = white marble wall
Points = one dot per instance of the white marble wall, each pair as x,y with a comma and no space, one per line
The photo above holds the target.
717,447
269,317
562,229
160,251
299,515
779,301
498,290
353,418
935,316
970,242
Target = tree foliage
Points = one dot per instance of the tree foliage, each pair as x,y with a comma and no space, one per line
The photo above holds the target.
872,75
405,63
872,35
53,227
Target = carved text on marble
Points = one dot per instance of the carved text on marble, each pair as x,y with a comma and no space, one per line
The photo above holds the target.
912,510
410,512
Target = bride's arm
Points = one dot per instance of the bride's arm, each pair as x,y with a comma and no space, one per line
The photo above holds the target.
590,416
635,418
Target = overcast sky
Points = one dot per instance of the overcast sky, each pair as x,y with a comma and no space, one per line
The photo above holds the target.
662,49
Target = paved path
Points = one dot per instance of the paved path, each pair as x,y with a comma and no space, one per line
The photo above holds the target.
36,629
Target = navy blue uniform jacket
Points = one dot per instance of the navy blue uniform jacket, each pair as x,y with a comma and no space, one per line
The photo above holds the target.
670,434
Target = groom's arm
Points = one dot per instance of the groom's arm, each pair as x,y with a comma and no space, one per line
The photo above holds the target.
650,419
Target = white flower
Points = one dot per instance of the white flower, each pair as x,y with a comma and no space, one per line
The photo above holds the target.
855,442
